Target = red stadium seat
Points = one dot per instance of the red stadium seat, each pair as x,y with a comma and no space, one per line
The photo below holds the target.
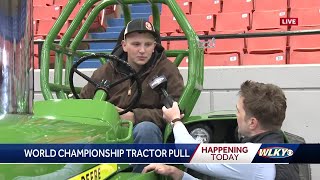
224,46
244,6
263,5
264,59
35,27
38,37
264,45
306,17
268,20
164,44
35,49
232,22
201,22
304,57
304,43
226,52
205,6
44,27
168,24
36,64
42,2
46,12
75,12
304,49
231,59
178,45
183,4
184,62
60,2
65,28
293,4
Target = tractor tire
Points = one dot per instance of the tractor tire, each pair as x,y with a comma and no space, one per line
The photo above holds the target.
205,130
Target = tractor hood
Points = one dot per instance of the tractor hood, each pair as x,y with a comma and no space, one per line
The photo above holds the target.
27,129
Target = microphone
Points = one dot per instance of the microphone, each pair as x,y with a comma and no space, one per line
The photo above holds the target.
159,84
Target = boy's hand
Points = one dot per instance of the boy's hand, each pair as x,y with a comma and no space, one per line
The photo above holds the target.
119,109
127,116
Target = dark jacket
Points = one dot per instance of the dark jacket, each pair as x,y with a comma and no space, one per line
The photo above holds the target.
149,106
283,171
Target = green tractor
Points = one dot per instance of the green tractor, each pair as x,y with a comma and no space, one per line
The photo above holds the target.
62,119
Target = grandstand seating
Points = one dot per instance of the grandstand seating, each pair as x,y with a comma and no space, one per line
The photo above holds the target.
305,57
178,45
265,50
106,35
184,61
184,5
168,24
226,52
44,27
36,62
46,12
60,2
164,44
35,26
231,59
42,2
206,25
243,6
211,7
304,43
304,49
294,4
268,20
236,21
306,17
225,46
215,17
263,5
263,45
264,59
74,12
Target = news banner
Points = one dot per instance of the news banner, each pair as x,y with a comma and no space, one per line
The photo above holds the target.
159,153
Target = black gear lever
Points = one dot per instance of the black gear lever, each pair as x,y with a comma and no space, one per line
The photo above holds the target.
159,84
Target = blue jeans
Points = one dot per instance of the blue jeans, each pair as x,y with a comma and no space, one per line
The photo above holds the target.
146,132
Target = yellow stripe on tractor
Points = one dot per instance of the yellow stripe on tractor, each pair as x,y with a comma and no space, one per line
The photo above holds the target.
101,171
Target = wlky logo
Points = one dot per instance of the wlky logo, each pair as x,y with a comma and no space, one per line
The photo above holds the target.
275,152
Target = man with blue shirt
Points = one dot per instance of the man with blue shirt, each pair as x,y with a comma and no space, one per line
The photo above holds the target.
261,110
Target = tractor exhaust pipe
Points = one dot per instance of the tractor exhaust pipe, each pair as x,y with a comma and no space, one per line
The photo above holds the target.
16,57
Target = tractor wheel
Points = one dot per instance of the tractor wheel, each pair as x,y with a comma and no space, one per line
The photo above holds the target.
201,132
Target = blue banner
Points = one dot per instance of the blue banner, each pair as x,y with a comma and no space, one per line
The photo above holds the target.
96,153
159,153
288,153
276,153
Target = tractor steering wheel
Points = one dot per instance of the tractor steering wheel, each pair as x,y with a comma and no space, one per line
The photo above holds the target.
106,85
